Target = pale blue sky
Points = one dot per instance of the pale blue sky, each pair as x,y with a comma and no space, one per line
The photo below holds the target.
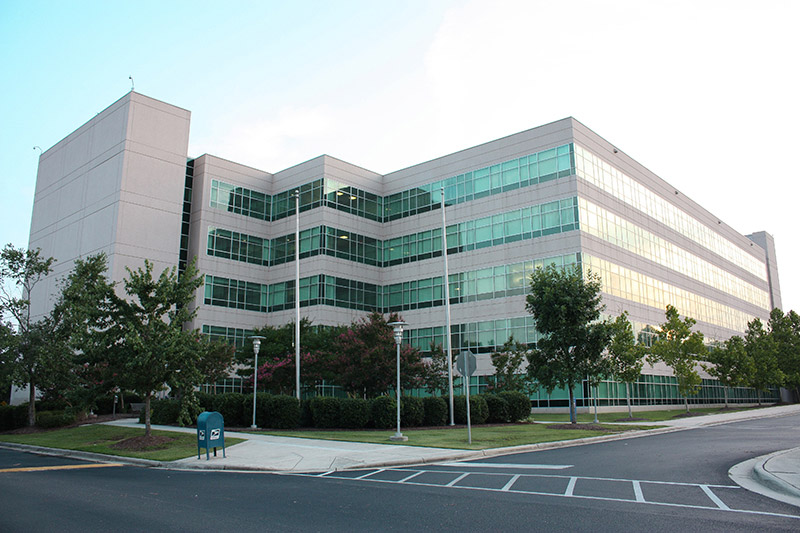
704,93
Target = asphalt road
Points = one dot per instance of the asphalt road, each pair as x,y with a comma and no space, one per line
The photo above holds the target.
669,482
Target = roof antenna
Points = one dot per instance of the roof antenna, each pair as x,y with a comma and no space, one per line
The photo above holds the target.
131,78
39,148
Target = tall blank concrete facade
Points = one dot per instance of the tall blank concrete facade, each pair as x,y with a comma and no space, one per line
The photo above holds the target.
124,184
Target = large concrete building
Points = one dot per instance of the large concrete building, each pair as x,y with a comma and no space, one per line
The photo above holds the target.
124,184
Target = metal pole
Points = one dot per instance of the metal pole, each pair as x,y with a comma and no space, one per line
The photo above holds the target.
469,418
398,339
448,344
256,348
297,291
398,434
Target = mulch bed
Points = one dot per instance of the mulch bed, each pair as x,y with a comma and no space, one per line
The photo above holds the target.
687,415
143,443
589,427
632,420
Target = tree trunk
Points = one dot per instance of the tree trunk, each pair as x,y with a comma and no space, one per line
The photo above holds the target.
725,389
628,395
573,418
31,404
147,414
686,399
759,397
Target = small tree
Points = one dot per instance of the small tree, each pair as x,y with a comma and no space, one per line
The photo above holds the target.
27,343
435,378
567,310
679,347
507,363
762,349
730,364
627,357
785,331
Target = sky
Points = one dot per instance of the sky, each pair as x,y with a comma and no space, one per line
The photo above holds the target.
704,93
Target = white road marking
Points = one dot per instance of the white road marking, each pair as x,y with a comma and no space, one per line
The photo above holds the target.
456,480
637,490
570,486
714,498
370,473
510,483
508,465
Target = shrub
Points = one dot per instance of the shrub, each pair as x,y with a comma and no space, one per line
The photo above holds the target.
353,413
435,411
325,412
498,409
57,404
231,406
104,405
306,420
412,412
383,412
54,419
205,401
478,409
164,412
519,405
281,412
13,416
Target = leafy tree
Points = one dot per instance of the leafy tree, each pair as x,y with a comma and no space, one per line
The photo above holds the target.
216,358
27,342
435,377
363,358
154,349
567,310
762,349
785,331
731,364
679,347
627,357
507,363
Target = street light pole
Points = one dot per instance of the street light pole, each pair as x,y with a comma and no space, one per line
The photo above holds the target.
256,347
297,292
447,339
398,339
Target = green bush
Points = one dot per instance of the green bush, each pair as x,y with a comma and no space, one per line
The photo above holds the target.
306,419
325,412
205,401
478,409
282,412
13,416
383,412
54,419
353,413
231,406
499,412
412,412
519,405
435,411
57,404
163,412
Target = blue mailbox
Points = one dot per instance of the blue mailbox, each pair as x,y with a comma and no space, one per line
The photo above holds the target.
210,433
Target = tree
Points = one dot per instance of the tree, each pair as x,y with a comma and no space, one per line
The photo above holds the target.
26,342
566,307
731,364
153,348
627,357
762,349
363,358
785,331
435,379
507,363
679,347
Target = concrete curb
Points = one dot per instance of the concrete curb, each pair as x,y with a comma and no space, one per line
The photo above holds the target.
77,454
752,476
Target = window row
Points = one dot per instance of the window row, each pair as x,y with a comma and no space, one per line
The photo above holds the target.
601,174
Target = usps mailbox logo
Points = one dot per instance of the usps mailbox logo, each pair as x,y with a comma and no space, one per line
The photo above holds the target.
214,434
202,434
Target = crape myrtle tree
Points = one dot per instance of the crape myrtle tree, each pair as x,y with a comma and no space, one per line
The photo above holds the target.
435,378
730,364
567,306
26,342
363,358
626,356
679,347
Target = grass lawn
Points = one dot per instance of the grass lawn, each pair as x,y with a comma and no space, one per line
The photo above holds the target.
483,437
99,438
647,416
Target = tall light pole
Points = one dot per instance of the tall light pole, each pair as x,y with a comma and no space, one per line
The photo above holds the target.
297,292
256,347
448,341
398,339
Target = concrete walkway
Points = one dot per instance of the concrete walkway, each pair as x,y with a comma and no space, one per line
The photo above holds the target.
776,475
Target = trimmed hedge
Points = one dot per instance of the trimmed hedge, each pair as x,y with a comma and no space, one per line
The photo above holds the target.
13,416
478,409
353,413
54,419
499,410
519,405
163,412
412,411
325,412
383,412
231,406
272,411
435,410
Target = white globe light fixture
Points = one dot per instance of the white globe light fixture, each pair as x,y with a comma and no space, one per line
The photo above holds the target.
256,348
398,339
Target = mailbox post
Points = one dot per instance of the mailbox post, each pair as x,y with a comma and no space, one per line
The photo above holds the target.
210,433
